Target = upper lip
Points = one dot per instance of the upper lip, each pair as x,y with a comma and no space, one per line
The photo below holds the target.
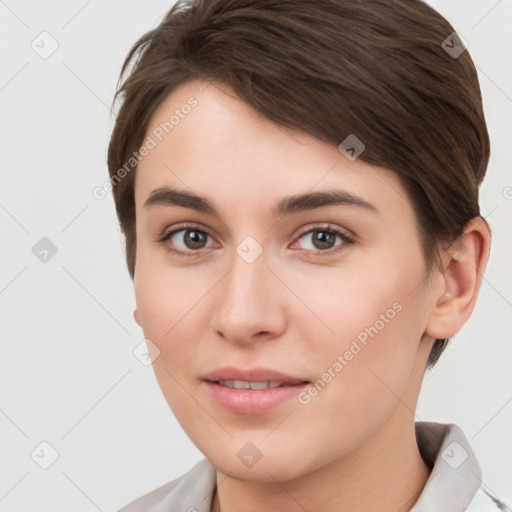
251,375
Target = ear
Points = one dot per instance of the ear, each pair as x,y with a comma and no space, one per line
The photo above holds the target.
464,263
137,316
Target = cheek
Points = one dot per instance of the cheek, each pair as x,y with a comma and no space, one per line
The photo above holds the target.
166,308
163,294
171,304
362,370
367,324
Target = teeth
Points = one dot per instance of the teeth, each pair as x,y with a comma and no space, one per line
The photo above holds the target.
243,384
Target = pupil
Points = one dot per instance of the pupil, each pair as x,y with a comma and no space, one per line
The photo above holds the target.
324,239
194,237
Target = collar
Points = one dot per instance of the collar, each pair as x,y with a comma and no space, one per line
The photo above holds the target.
456,475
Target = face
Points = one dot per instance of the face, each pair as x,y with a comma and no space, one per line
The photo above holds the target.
333,294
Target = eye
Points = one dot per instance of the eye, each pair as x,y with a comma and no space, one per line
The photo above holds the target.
322,239
189,239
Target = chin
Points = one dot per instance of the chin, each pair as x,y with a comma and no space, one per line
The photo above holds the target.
268,469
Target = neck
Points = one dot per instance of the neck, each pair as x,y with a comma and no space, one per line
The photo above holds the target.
386,474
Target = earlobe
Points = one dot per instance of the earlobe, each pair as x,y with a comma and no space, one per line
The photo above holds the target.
464,264
137,316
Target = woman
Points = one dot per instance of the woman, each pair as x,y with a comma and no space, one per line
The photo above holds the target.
297,183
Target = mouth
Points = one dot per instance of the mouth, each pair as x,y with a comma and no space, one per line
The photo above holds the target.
252,392
252,378
248,401
254,385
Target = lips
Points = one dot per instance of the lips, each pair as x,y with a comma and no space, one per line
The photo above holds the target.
254,401
229,373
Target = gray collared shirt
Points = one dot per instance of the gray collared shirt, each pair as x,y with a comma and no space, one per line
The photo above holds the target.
454,485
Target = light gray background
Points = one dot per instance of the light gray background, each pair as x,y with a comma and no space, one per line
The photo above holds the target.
68,374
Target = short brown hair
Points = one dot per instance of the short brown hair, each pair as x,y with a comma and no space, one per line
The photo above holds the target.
377,69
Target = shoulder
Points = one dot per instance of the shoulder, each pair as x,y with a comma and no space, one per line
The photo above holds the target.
151,498
484,501
192,490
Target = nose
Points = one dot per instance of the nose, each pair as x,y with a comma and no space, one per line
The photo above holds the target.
247,303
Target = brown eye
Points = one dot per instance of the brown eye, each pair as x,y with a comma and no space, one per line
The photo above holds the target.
322,240
192,239
186,241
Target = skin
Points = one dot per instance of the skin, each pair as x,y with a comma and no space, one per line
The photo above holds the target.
353,446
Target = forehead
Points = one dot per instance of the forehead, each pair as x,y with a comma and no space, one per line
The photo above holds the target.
214,144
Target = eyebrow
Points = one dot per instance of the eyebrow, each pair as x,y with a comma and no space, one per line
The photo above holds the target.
167,196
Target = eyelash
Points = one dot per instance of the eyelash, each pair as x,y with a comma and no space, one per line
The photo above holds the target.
347,240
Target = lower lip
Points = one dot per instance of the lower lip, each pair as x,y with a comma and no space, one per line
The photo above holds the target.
242,401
